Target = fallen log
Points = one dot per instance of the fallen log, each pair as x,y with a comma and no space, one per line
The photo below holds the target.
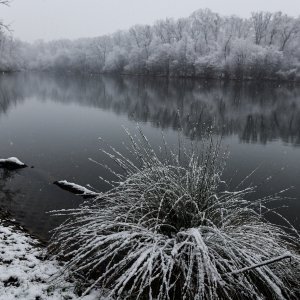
76,189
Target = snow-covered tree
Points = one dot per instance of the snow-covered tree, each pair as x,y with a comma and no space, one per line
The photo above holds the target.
264,46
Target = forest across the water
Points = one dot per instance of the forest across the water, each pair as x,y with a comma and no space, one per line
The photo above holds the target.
265,46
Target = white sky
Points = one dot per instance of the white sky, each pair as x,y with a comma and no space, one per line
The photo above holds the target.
53,19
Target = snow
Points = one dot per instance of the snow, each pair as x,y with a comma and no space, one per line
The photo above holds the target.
24,274
12,161
205,44
269,261
75,188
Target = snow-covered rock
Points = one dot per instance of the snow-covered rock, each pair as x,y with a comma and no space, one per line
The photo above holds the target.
12,163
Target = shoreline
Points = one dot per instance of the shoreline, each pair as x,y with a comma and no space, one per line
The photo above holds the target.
26,272
166,77
8,221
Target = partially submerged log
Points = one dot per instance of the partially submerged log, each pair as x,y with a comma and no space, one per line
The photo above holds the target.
75,189
12,163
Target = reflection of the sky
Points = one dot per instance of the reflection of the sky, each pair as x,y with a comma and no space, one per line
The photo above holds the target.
53,123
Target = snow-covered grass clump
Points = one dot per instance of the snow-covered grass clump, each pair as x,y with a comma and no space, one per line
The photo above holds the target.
170,229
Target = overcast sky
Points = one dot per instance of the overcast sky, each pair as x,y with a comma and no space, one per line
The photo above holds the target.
54,19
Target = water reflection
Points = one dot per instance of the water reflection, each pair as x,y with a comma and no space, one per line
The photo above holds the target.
256,113
53,121
7,195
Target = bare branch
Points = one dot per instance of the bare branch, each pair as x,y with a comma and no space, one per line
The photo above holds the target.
5,2
266,262
2,25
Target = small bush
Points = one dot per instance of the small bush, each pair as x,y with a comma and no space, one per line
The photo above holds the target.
170,230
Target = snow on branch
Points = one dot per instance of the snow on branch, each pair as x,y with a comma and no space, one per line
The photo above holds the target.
264,263
76,189
5,2
262,47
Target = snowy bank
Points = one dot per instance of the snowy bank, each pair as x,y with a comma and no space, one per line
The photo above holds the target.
12,163
24,274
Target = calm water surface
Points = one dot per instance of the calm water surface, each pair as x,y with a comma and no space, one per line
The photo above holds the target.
53,122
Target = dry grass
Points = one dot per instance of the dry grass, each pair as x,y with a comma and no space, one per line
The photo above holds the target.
170,230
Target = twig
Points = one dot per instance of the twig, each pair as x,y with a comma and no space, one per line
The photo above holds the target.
5,2
267,262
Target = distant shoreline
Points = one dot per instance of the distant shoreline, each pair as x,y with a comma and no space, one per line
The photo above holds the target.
170,77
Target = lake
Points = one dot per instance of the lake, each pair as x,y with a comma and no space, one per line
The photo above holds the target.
53,122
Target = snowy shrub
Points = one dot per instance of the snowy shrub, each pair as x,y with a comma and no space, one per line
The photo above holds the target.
264,63
170,229
160,61
137,62
240,58
289,74
208,66
116,60
183,58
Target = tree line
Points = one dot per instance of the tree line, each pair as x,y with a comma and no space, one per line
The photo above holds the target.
205,44
255,113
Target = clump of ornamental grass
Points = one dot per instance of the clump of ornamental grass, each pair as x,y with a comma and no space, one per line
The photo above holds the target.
170,229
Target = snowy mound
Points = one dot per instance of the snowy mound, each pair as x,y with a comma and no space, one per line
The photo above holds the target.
25,274
12,163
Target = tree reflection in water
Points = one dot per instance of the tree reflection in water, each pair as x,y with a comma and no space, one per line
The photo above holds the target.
53,122
257,113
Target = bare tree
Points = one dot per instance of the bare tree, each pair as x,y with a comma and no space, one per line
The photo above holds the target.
3,25
142,35
261,21
202,21
275,24
289,30
101,46
180,28
165,30
207,24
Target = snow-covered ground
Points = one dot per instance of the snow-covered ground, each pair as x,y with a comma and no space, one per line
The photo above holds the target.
25,275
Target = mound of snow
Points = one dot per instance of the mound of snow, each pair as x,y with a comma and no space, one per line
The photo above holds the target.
26,275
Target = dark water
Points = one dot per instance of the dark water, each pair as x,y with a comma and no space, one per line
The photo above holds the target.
53,122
